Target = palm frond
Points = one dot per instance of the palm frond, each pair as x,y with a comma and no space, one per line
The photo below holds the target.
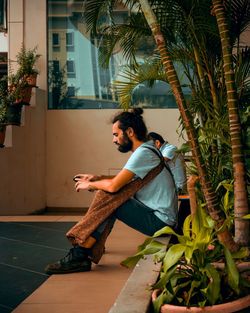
238,12
242,74
95,11
146,73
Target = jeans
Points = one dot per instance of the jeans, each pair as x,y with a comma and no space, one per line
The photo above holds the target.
136,215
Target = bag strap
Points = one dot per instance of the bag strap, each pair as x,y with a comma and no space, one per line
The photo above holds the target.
159,154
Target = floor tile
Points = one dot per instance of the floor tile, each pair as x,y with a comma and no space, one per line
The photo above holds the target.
90,292
25,250
17,284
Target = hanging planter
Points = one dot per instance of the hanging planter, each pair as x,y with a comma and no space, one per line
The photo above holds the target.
21,83
21,88
13,114
24,96
29,82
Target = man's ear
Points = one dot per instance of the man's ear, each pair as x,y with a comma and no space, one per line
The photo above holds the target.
157,144
130,132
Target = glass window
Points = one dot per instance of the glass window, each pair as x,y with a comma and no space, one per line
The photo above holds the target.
56,65
3,15
75,78
3,63
70,67
55,39
71,91
70,39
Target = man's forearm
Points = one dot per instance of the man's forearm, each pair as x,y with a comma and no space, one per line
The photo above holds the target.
105,184
101,177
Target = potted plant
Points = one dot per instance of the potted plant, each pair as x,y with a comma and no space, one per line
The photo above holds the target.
10,111
26,60
22,82
198,274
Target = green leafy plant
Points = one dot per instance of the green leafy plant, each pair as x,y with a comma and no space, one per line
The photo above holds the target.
26,60
189,275
4,100
10,112
16,88
57,84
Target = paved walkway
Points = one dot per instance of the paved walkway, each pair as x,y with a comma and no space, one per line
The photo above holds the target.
90,292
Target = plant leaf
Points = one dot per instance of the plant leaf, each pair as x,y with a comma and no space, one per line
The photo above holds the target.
232,271
173,254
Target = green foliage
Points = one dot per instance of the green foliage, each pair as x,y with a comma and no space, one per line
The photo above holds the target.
26,60
131,78
4,100
57,83
14,86
188,274
192,40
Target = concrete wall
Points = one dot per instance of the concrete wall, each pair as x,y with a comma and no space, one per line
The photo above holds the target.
50,147
80,141
22,165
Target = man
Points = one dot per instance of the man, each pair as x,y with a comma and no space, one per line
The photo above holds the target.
174,160
151,208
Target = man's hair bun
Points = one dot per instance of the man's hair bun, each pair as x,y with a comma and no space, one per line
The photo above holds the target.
137,111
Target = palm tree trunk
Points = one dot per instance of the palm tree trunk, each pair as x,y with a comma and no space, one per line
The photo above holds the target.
210,196
240,190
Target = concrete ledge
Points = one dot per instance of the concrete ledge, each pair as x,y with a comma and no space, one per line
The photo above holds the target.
135,296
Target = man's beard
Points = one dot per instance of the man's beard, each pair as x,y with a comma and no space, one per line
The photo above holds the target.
127,144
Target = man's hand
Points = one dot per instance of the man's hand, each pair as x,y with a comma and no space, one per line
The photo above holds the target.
91,182
85,177
82,184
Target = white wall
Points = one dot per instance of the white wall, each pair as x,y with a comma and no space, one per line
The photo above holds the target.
22,166
3,42
80,141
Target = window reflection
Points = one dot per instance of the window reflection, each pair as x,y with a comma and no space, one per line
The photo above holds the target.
75,78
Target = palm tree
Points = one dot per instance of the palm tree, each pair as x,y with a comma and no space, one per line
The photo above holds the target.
240,190
127,36
209,194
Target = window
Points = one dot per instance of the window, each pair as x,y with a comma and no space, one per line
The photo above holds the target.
76,79
70,67
55,40
56,65
70,39
3,64
71,91
3,15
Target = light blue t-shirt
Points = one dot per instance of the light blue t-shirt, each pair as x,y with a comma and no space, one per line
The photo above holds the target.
176,165
159,194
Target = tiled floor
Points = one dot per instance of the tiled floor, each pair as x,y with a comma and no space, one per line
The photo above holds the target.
91,292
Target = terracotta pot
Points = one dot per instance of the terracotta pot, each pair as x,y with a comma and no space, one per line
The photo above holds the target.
25,96
2,136
229,307
25,92
31,79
